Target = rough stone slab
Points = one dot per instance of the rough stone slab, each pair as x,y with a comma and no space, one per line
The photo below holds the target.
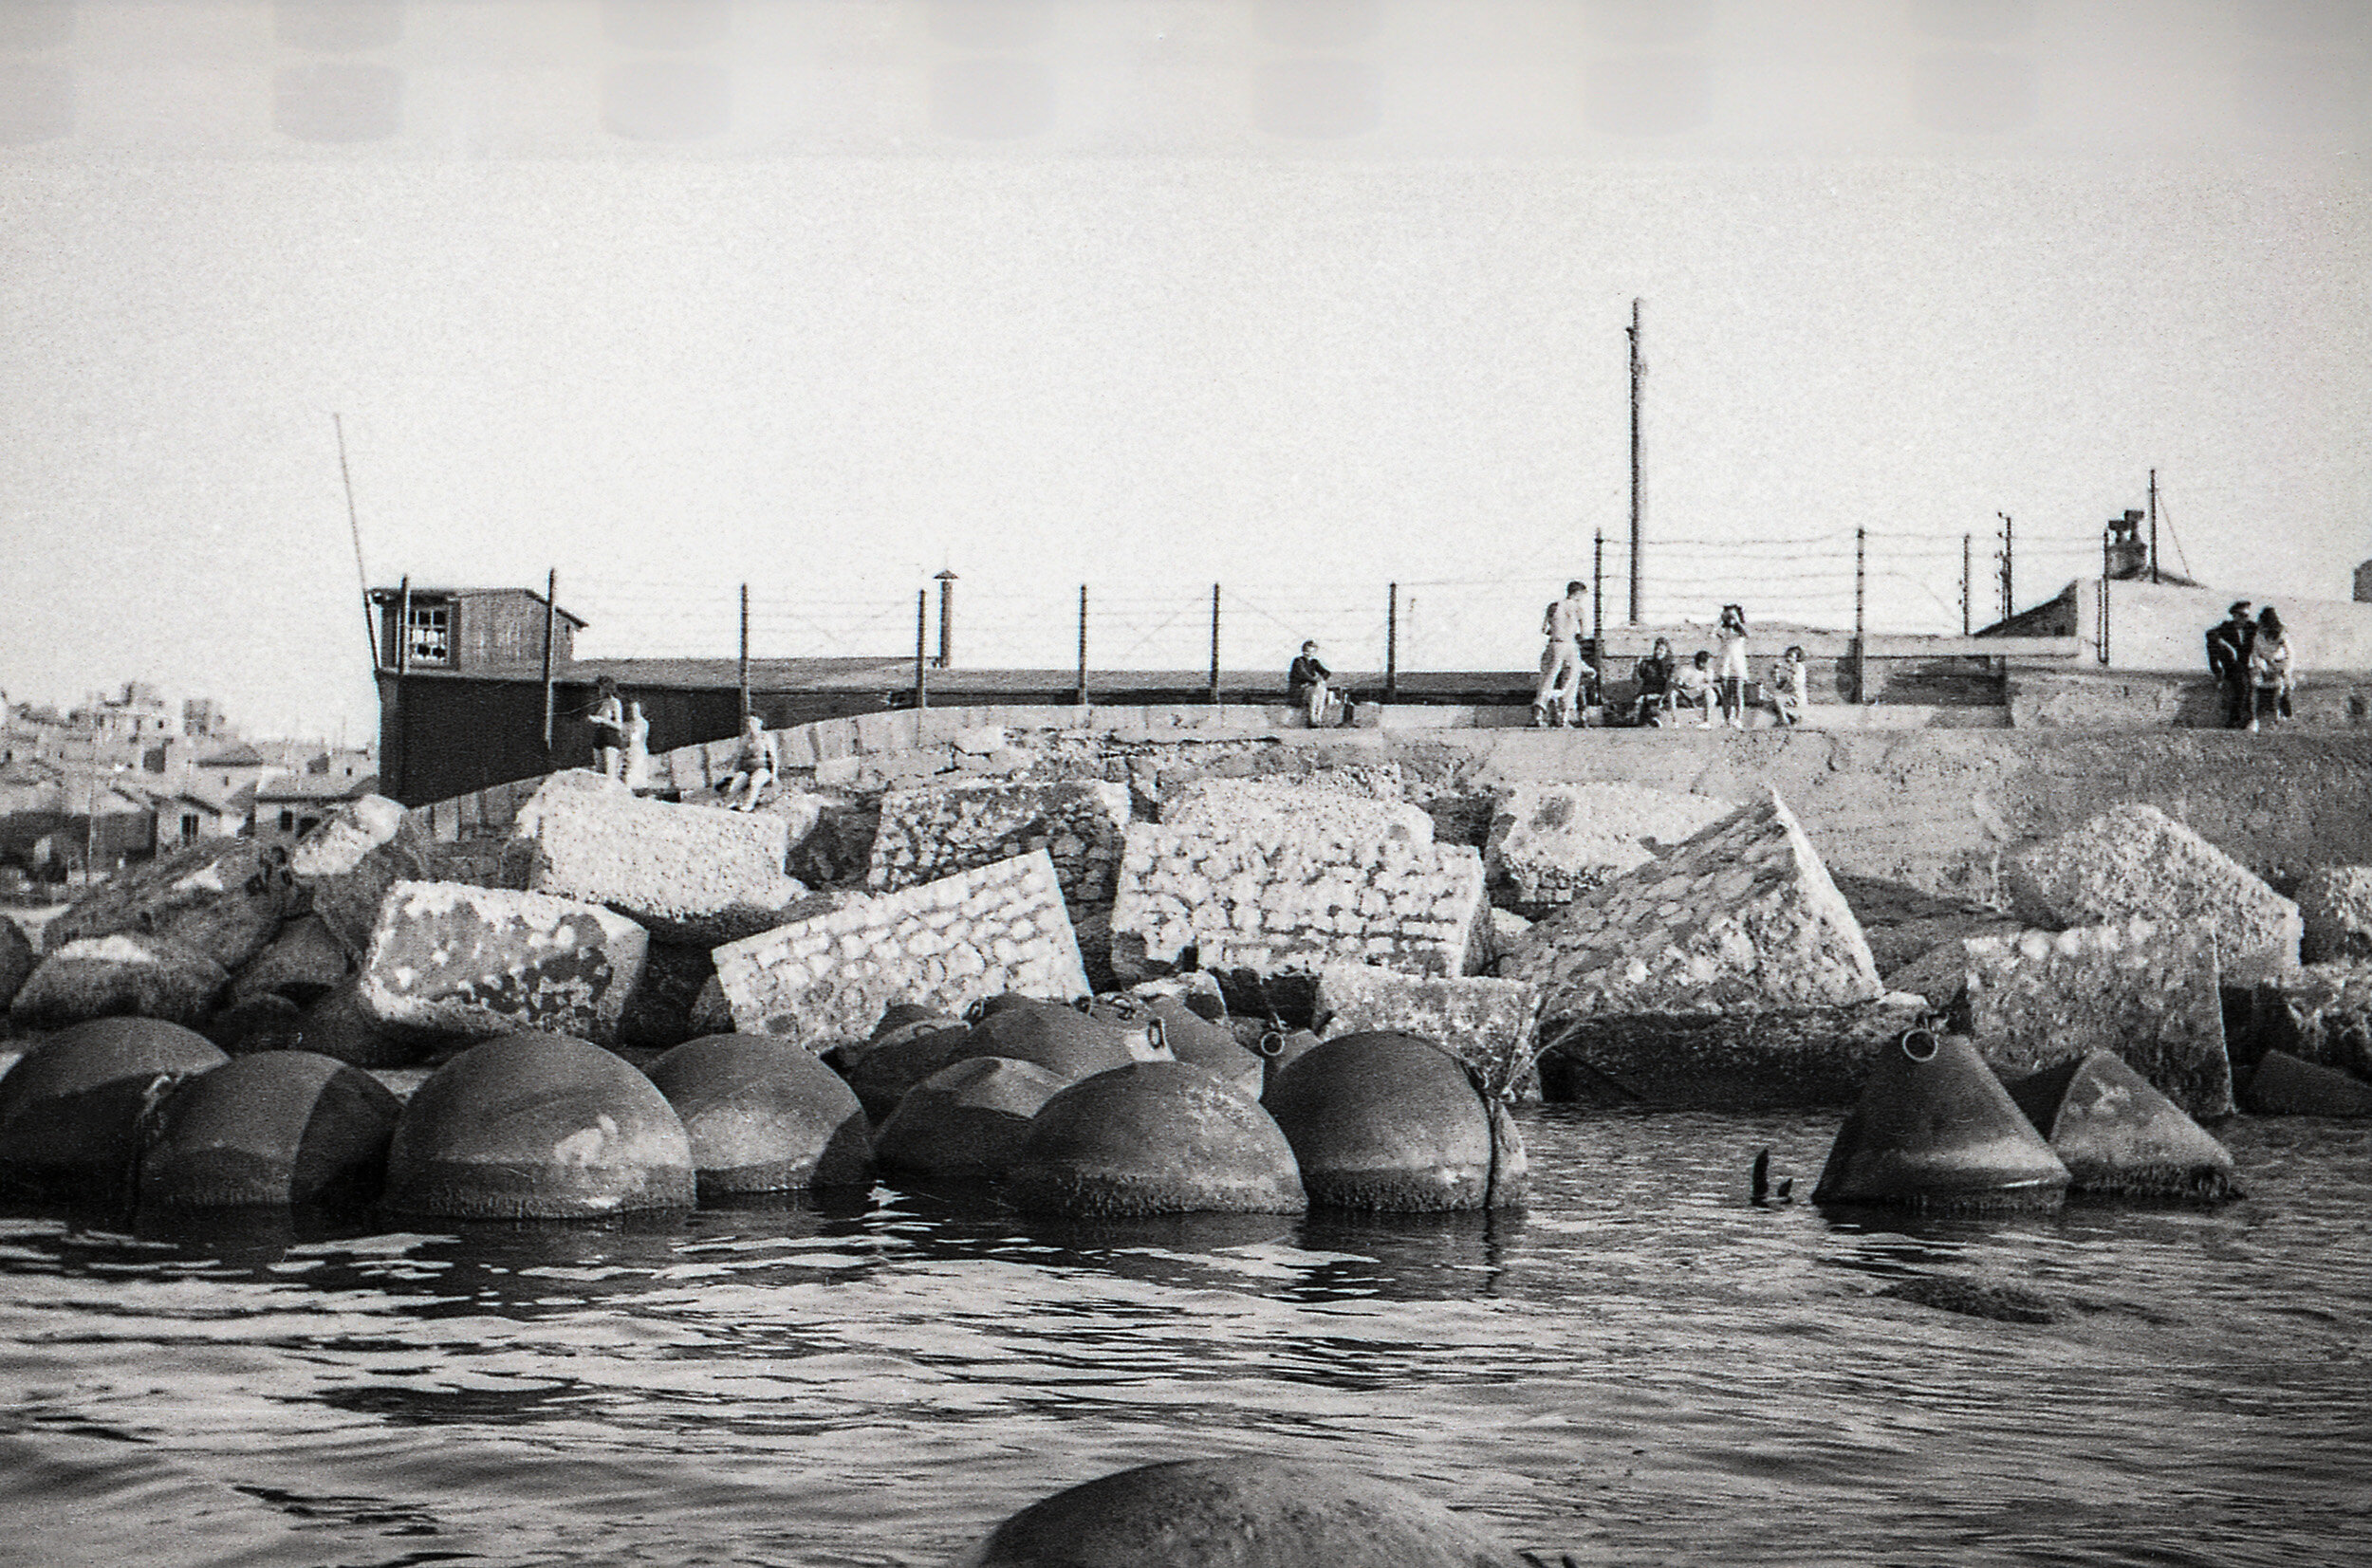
2322,1015
2145,991
1489,1024
122,974
223,898
1551,843
1740,1061
1742,916
2335,911
691,874
347,864
2135,860
481,962
936,832
828,977
1323,803
1274,895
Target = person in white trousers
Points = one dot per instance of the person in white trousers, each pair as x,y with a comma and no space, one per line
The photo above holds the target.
1562,671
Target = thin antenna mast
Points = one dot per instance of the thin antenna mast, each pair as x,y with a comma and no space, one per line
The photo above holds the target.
1637,370
370,622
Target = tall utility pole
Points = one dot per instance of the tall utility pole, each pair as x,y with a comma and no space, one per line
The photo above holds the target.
946,581
370,618
1639,369
1965,585
2153,525
2008,589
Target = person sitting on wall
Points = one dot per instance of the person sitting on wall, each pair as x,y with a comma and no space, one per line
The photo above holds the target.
1306,686
1654,675
1787,696
2228,644
754,770
609,729
2272,666
1692,687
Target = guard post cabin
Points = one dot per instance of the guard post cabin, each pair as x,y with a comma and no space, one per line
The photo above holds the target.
469,630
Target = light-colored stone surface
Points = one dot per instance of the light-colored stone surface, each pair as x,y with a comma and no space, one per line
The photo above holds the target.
944,945
121,974
1319,803
223,898
1274,896
940,830
1551,843
692,874
1489,1024
2135,860
347,864
1742,918
481,962
2335,910
2145,992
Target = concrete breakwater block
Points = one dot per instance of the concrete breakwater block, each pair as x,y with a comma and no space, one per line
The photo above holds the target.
1315,803
1188,1037
282,1129
966,1122
1491,1025
2323,1014
1747,1060
17,958
1387,1121
70,1109
686,873
764,1115
346,865
533,1127
826,977
337,1024
2335,913
1741,917
2285,1086
1251,1511
2116,1134
1935,1129
126,974
2146,991
1551,843
1153,1137
480,962
885,1073
304,962
942,830
1271,895
224,898
2135,860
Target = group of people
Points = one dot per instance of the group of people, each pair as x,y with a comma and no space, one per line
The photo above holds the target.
1665,686
621,748
2256,664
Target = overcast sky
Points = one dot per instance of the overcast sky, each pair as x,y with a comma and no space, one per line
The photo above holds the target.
1299,299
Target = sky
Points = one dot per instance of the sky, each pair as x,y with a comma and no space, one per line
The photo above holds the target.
1301,300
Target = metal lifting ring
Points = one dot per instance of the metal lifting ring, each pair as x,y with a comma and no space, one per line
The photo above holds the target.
1271,1044
1919,1044
1157,1034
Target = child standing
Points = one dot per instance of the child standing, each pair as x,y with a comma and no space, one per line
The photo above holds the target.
1730,636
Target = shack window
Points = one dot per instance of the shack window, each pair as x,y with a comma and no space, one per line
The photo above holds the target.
189,827
288,820
429,629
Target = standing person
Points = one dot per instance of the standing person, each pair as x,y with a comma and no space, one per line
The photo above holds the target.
2273,666
638,761
1562,671
1788,697
2228,644
1730,636
609,727
754,770
1692,687
1305,684
1654,675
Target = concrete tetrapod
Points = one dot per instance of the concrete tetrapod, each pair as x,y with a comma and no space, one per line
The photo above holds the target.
1391,1122
1155,1138
764,1115
2285,1086
1169,1024
537,1126
965,1122
886,1071
279,1129
1245,1512
70,1111
2116,1134
1935,1129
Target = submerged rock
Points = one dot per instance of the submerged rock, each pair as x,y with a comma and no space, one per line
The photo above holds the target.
2000,1301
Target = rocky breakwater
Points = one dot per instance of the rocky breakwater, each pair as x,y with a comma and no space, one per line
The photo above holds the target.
1551,843
1727,974
450,959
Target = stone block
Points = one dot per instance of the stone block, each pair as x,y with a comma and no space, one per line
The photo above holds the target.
2145,991
1551,843
2322,1015
1737,1060
347,864
17,958
1273,894
123,974
936,832
1491,1025
1345,802
480,962
223,898
2335,912
1742,918
304,961
2135,860
688,874
828,975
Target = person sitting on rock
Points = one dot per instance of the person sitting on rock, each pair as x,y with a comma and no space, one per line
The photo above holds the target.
754,770
1788,697
1692,687
1654,675
1305,685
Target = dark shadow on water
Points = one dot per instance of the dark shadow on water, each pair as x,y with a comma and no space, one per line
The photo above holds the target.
1406,1257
